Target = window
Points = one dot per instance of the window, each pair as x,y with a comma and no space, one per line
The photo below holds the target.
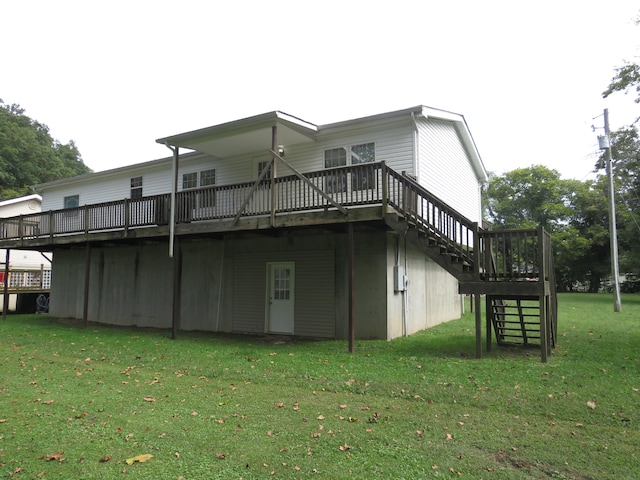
354,155
72,201
363,179
207,198
263,165
261,168
208,177
281,284
189,180
337,182
136,187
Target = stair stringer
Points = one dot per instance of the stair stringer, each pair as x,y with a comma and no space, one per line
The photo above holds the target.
429,245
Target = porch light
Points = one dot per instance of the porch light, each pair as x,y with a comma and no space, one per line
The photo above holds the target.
281,151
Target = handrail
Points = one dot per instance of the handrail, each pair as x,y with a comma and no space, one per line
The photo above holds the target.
452,230
513,252
346,186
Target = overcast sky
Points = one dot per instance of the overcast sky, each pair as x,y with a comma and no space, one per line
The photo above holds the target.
114,76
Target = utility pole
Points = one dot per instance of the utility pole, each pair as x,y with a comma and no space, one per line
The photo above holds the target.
613,234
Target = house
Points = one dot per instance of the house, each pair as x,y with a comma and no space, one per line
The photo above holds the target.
29,272
366,228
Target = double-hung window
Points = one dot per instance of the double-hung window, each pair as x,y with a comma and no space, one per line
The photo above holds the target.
207,196
136,187
189,180
337,181
204,178
361,179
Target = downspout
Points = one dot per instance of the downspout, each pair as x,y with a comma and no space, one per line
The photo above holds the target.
416,145
174,188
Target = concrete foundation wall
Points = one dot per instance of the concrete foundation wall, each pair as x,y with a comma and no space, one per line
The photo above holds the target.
223,285
431,296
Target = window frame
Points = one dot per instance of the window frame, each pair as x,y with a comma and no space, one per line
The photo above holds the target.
189,180
353,155
136,185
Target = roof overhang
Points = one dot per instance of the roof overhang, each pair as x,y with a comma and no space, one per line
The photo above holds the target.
244,136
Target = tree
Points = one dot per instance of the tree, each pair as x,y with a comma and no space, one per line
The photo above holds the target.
625,151
627,78
527,198
573,212
29,155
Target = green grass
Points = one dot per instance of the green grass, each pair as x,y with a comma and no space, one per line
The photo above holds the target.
221,406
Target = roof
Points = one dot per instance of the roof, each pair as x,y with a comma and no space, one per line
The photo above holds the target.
26,198
254,133
245,135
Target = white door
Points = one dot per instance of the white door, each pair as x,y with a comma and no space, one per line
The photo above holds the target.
281,297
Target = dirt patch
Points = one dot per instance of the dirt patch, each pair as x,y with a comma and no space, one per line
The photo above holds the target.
537,470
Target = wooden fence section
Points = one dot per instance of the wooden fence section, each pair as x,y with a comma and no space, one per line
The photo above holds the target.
26,280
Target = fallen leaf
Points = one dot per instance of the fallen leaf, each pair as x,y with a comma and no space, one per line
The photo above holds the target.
221,456
448,437
48,402
3,420
139,458
149,399
53,456
342,407
591,404
344,447
105,459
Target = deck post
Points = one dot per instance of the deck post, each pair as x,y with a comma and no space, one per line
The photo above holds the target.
127,220
87,273
542,278
478,300
489,316
385,187
177,285
51,225
351,255
274,163
174,189
5,292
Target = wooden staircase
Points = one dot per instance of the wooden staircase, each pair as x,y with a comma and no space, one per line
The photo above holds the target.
513,270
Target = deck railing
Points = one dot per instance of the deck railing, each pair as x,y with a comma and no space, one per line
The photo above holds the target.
493,255
21,280
347,186
451,230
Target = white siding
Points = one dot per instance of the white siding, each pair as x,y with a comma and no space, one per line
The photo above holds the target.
393,144
444,167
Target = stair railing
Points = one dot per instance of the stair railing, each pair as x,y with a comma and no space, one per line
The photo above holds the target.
452,230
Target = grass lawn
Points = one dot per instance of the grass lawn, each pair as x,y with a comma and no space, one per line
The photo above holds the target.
78,403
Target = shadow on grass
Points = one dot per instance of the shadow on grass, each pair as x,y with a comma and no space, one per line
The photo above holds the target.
452,340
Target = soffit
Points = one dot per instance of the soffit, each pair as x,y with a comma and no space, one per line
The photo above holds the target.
245,136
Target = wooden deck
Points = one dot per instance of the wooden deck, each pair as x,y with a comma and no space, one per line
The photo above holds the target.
498,264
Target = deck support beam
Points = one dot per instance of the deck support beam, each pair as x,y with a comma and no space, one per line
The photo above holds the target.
87,274
177,286
5,296
351,254
478,300
274,165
